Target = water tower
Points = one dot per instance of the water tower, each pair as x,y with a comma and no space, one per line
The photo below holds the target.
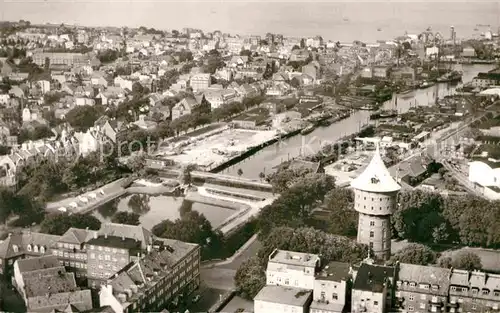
375,199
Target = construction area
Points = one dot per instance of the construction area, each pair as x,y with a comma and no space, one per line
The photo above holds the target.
212,151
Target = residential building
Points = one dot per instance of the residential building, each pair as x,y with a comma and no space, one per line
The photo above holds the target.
485,80
474,291
106,255
20,245
375,193
46,286
289,268
278,299
169,272
332,288
200,82
186,106
421,288
219,97
312,70
239,61
431,51
57,58
372,289
380,72
248,91
71,250
123,83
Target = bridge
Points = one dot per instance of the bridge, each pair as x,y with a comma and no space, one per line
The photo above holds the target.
241,181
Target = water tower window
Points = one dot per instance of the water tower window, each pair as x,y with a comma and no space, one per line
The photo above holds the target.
375,180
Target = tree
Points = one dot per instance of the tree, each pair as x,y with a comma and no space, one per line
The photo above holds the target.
137,163
129,218
138,89
295,205
295,82
342,218
250,278
186,177
240,172
192,227
58,224
415,254
445,262
467,261
284,177
81,118
8,201
262,176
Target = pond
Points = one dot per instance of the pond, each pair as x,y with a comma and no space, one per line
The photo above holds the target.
154,209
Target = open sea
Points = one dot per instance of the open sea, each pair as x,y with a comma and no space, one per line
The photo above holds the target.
334,20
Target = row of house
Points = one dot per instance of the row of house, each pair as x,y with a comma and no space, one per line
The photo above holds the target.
299,282
133,270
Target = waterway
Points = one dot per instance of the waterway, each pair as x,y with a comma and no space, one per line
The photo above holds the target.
154,209
268,158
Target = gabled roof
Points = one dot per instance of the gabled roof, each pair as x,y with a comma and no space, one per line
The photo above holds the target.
76,236
127,231
376,177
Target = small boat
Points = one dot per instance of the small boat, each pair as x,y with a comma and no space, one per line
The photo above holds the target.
426,84
406,91
379,29
383,114
307,130
367,107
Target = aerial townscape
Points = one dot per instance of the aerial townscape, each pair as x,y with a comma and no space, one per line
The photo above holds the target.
188,170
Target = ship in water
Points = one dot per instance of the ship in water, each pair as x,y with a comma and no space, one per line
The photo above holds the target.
383,114
426,84
308,129
368,107
451,77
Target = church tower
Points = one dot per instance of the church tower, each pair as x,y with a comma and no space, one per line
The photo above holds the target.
375,197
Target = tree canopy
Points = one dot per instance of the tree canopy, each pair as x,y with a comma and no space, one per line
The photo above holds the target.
431,218
83,117
129,218
58,224
415,254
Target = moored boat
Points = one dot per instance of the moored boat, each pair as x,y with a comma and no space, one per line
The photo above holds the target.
307,130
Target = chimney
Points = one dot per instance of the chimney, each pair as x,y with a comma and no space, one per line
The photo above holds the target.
86,228
105,235
123,238
149,249
95,235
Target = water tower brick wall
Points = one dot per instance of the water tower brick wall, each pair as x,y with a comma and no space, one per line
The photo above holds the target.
374,224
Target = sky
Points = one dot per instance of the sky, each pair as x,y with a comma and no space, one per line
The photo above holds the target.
300,18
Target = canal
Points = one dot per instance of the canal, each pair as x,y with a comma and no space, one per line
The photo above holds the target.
273,155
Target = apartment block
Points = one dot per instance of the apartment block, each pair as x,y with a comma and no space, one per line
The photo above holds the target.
295,269
421,288
274,299
372,290
200,82
331,288
106,255
167,274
